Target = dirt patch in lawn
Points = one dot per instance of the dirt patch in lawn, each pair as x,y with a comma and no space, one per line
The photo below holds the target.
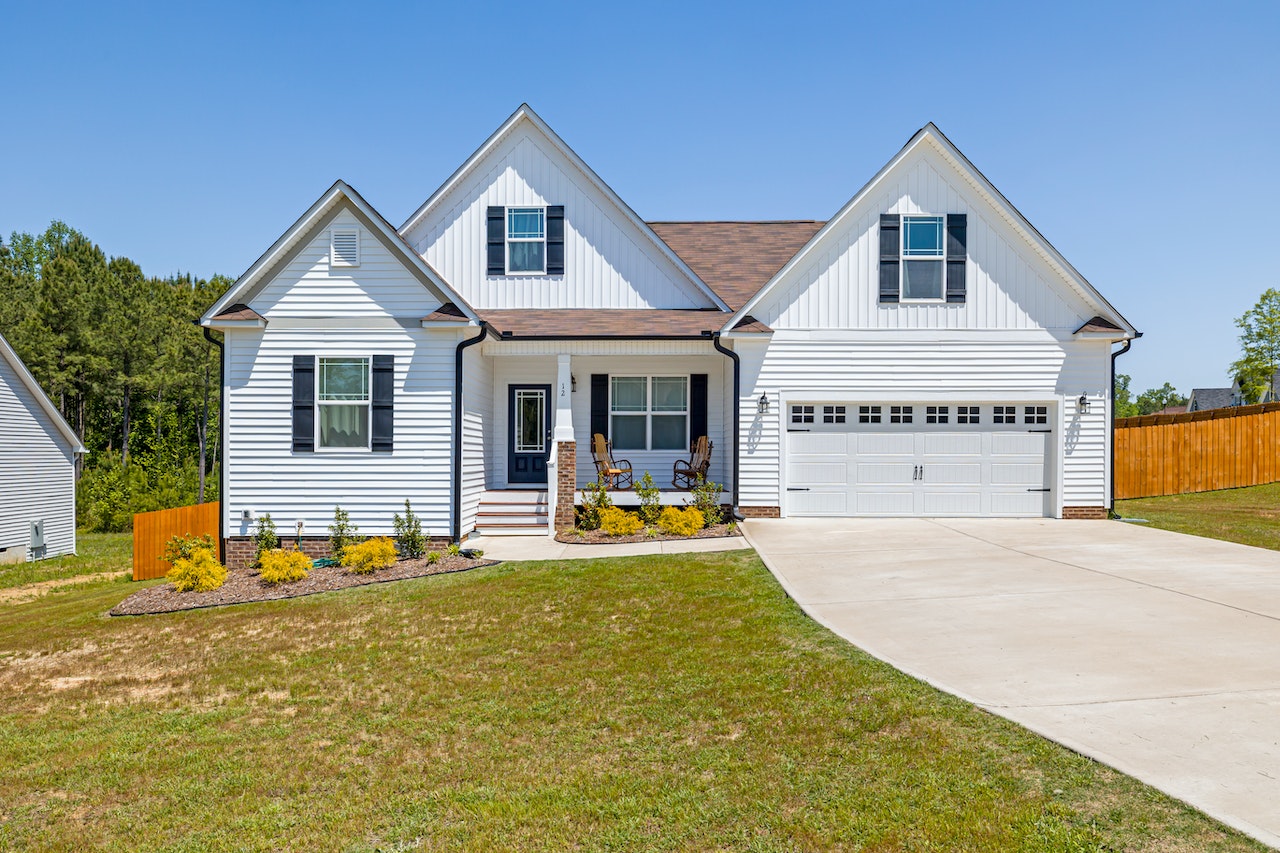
599,537
32,591
244,585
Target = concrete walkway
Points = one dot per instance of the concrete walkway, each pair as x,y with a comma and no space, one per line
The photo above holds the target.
546,548
1154,652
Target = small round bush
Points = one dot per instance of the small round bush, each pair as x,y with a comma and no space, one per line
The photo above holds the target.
370,555
617,522
201,572
681,522
433,557
277,566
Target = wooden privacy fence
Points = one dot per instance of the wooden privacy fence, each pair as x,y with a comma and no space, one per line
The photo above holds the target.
152,531
1197,451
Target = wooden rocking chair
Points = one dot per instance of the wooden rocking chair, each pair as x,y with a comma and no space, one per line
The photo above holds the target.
686,473
614,473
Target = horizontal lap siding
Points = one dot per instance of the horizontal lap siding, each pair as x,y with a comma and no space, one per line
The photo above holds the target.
37,480
265,475
479,429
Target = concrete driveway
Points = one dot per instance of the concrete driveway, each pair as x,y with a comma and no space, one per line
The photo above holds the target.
1154,652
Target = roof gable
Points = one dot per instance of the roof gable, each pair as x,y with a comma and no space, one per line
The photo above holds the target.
41,399
340,204
930,166
613,258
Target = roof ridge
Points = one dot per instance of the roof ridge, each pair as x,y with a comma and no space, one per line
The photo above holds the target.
734,221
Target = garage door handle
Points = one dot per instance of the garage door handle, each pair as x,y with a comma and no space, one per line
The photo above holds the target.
1039,490
799,430
797,489
1039,430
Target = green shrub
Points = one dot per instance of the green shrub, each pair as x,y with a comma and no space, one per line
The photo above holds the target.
370,555
595,497
201,572
342,533
453,549
277,566
650,499
617,522
409,537
179,547
681,522
264,538
706,497
433,557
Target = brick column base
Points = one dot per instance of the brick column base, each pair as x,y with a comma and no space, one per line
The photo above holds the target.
566,483
1093,513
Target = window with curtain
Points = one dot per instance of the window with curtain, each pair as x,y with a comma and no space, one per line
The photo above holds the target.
649,412
343,402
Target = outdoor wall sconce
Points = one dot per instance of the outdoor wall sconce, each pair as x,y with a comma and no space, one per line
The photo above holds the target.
573,383
1083,404
762,405
247,515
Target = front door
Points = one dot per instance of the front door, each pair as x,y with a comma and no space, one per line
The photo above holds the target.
529,431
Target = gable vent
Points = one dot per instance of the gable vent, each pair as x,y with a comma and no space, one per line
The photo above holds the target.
345,249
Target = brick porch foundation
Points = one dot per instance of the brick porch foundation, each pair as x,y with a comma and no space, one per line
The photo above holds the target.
566,483
239,550
760,511
1093,513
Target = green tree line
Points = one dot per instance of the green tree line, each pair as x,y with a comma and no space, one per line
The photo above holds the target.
118,353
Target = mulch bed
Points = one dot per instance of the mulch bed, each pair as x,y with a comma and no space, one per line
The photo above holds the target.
244,585
599,537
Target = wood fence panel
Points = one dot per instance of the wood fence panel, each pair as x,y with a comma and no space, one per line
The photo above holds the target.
1197,451
152,531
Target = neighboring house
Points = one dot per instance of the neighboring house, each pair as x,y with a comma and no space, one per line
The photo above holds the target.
1213,398
1172,410
37,468
925,352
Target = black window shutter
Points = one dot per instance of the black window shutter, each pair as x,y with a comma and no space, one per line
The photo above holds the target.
304,403
697,405
496,223
555,239
890,259
383,403
957,243
600,404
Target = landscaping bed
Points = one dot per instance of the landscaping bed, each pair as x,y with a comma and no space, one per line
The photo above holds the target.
244,585
599,537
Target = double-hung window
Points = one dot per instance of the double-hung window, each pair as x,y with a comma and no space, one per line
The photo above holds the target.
923,257
526,239
342,403
649,412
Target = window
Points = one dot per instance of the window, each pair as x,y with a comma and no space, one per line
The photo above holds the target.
343,402
833,414
937,414
649,412
868,414
1005,415
967,415
802,414
1036,415
923,256
344,247
900,414
526,239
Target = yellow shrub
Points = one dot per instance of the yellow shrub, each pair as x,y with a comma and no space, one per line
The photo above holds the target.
617,522
277,566
201,572
370,555
681,522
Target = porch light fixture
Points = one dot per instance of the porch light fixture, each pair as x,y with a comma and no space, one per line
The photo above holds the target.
762,405
1083,405
573,383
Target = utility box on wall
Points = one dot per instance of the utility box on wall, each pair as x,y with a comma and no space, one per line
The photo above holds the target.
37,539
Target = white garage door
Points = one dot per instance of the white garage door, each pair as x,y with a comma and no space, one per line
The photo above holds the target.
919,459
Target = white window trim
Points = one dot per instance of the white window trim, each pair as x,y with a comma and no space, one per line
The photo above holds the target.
903,257
368,402
507,239
648,413
333,253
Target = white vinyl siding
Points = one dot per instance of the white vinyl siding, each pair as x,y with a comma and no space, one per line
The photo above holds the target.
37,480
480,429
609,262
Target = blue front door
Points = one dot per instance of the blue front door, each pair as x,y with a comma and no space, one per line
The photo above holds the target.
529,433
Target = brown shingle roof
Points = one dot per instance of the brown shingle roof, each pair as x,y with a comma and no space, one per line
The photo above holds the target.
239,311
446,313
605,322
1098,324
735,259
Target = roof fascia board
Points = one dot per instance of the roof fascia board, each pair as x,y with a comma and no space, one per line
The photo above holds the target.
931,133
236,324
42,399
526,113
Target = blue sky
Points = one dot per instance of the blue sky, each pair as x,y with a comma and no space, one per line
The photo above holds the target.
1139,138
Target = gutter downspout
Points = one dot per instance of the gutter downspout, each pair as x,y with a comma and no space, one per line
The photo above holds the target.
1111,497
737,433
222,457
457,428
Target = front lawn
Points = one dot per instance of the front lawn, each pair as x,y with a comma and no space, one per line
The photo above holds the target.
1250,515
98,553
645,703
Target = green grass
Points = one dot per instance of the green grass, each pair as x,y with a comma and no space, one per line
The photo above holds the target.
1249,515
647,703
98,552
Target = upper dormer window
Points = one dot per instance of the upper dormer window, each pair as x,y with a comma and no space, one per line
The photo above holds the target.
922,257
526,239
344,247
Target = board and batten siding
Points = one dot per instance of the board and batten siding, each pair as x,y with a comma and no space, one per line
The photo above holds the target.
919,367
37,474
380,286
609,262
264,474
1009,284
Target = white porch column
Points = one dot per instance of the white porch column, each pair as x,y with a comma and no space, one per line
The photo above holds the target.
563,430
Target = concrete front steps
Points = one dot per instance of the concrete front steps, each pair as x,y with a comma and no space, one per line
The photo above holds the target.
513,512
